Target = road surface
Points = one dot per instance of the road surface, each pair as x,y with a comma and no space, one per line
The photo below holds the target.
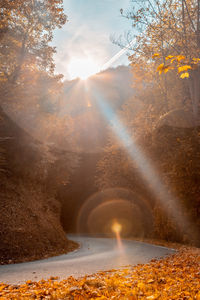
95,254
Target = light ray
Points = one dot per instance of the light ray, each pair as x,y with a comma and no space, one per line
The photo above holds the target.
146,168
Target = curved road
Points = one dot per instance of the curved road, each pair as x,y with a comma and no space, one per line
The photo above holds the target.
95,254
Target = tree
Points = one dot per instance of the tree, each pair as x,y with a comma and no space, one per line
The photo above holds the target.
159,33
30,92
168,28
25,33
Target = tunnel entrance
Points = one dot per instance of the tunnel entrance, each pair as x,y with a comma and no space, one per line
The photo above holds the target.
81,187
115,205
87,210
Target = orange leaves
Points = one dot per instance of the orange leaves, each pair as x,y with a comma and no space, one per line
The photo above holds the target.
175,277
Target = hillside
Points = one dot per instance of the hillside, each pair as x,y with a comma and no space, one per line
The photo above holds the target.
29,224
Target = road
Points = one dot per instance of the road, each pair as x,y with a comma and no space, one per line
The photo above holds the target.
95,254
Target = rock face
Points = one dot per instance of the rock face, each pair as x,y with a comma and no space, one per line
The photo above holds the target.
29,219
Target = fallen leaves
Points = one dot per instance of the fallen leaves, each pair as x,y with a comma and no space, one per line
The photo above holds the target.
175,277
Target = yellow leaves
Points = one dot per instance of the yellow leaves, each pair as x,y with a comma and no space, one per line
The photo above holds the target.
160,68
184,68
198,296
169,57
196,60
2,286
28,282
141,285
180,58
163,68
181,63
184,75
156,55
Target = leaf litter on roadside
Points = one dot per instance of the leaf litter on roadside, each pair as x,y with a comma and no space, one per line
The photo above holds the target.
174,277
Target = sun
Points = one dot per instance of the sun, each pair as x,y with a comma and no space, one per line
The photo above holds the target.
82,68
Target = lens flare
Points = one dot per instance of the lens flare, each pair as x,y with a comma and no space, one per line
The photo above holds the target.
152,178
117,228
98,213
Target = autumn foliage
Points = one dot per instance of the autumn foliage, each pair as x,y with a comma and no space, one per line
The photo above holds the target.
31,132
165,124
174,277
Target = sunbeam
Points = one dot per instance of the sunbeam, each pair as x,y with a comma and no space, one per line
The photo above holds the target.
145,166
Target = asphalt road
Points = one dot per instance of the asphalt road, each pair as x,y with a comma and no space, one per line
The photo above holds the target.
95,254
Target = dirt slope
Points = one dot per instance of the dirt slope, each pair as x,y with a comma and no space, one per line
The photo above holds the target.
30,215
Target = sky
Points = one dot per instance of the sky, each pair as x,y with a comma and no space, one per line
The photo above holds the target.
87,34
